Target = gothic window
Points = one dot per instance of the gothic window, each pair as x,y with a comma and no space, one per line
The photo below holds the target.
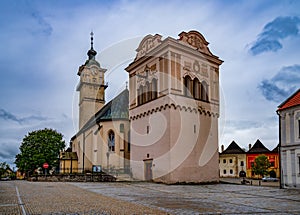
154,88
187,86
204,91
196,88
111,141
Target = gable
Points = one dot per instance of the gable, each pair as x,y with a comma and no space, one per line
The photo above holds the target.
292,101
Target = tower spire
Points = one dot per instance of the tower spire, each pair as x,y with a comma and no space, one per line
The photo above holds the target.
92,53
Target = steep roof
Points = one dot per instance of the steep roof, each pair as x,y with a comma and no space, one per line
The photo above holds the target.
116,109
258,147
233,148
292,101
276,149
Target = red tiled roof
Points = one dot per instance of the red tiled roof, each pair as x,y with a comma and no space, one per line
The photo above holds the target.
292,101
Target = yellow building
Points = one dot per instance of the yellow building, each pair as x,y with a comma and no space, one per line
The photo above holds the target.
232,161
68,162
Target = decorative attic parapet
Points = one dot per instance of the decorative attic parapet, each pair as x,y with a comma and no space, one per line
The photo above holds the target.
195,39
147,44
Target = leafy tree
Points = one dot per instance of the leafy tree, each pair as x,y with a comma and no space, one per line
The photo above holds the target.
3,168
38,147
261,165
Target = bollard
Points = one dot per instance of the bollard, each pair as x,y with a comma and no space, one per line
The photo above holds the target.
251,182
259,183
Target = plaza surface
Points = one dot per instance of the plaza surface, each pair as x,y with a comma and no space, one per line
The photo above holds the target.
22,197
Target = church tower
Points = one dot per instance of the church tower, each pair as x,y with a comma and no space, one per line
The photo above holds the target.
174,110
91,87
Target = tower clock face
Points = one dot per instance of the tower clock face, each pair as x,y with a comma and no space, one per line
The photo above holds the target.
94,71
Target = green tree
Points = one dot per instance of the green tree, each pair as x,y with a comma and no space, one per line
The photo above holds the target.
38,147
3,168
261,165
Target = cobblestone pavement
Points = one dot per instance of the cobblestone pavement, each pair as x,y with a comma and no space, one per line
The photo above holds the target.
203,199
22,197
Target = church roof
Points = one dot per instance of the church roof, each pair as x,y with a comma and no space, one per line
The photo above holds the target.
292,101
258,147
233,148
116,109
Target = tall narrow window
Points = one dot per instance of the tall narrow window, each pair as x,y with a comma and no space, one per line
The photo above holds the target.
148,92
111,141
187,86
204,91
140,95
154,88
196,88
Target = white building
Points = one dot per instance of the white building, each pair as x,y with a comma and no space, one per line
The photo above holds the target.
289,133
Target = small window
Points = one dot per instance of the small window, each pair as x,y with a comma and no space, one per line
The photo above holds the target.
231,171
224,171
272,164
224,160
148,129
122,128
194,129
230,160
242,163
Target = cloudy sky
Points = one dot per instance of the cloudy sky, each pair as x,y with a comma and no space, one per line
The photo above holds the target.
44,42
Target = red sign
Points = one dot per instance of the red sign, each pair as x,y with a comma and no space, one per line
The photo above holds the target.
45,165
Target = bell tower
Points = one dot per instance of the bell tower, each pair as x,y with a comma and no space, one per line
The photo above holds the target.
91,87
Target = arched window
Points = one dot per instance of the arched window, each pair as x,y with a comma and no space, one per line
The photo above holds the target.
144,94
154,89
196,88
140,95
204,91
187,86
148,92
111,141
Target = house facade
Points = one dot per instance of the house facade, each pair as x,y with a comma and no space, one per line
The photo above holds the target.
232,161
259,149
174,110
289,133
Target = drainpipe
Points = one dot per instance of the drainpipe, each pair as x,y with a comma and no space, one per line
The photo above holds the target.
83,152
279,154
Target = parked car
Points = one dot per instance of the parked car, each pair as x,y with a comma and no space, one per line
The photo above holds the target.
269,179
5,179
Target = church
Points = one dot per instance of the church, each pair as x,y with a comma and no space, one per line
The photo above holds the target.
164,128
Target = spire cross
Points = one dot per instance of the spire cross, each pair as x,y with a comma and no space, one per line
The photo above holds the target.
92,38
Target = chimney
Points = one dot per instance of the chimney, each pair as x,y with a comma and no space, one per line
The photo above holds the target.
222,148
250,146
